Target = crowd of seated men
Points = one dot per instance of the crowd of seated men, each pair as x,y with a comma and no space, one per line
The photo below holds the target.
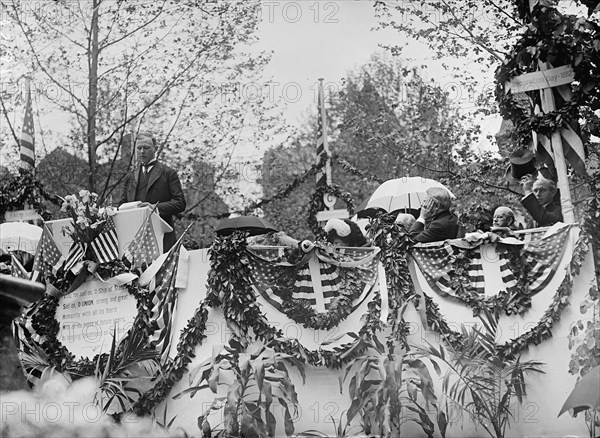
436,222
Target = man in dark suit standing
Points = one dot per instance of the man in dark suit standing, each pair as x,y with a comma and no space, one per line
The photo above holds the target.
154,183
435,222
540,200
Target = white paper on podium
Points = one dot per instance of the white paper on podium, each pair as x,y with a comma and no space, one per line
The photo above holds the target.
127,223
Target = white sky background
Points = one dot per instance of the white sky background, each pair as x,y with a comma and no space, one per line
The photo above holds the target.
326,39
313,39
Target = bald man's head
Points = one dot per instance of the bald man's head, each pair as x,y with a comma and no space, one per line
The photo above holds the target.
504,217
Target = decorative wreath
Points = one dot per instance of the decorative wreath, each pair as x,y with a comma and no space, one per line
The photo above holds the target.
316,203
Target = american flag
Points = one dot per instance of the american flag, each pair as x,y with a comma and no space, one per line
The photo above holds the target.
324,174
28,133
46,254
76,253
164,300
544,256
17,269
143,249
335,270
105,247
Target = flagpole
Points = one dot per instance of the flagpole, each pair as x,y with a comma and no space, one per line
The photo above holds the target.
27,140
560,164
324,176
548,105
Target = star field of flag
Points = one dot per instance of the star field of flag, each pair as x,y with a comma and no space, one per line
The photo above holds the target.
46,254
144,247
17,269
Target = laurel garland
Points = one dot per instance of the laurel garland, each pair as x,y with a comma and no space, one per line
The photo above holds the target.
192,335
316,204
391,238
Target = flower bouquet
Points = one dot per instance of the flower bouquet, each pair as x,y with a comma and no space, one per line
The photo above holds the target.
88,217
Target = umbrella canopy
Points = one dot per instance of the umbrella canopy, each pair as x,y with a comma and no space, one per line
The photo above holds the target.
586,394
399,194
19,236
252,224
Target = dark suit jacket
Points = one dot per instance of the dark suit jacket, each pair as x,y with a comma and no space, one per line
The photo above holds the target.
163,188
543,215
443,226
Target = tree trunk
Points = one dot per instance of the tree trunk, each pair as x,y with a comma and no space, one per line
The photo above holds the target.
93,96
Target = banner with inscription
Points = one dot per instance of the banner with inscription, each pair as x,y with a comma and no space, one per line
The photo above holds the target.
90,315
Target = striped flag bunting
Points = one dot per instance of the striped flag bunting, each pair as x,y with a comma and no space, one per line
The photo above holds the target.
17,269
542,256
143,249
105,247
324,174
47,255
27,143
327,279
164,301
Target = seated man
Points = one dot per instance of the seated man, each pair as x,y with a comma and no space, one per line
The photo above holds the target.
504,218
540,200
435,222
405,220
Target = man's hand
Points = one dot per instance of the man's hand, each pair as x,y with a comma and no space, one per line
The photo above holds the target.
527,183
429,209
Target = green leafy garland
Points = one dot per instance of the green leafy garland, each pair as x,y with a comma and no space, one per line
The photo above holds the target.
192,335
316,204
391,238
